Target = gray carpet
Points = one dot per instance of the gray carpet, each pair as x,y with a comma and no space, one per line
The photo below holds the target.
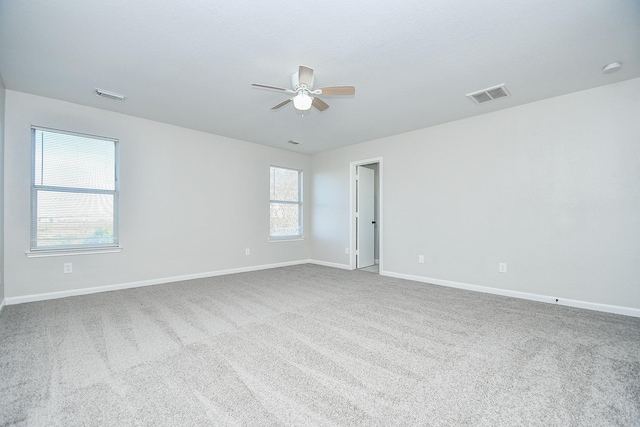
316,346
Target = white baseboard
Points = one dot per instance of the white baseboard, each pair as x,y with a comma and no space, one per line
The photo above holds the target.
330,264
626,311
107,288
2,304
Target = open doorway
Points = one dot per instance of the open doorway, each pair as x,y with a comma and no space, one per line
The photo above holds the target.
366,215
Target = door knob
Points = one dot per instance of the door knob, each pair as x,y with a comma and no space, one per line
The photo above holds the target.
373,222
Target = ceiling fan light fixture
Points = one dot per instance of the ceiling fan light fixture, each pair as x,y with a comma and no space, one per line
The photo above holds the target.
302,101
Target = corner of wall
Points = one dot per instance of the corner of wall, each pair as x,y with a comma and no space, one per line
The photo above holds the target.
2,102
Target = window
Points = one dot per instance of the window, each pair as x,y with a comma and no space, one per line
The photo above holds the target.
286,203
74,192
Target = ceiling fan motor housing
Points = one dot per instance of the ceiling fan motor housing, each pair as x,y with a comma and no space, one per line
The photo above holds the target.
295,81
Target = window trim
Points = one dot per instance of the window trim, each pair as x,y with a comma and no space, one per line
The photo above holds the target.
34,251
300,235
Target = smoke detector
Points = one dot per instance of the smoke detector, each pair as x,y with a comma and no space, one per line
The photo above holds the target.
110,95
489,94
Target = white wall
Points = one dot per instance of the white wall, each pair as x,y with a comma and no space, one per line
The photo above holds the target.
190,202
2,99
551,188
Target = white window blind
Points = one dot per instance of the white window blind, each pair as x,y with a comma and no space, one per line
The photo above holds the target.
286,203
74,192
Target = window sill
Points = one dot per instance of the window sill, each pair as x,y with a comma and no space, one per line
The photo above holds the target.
285,239
45,253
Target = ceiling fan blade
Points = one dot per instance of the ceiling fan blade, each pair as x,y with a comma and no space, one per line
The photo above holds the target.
319,104
338,90
282,104
305,76
272,87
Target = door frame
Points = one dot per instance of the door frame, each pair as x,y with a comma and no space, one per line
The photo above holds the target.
352,211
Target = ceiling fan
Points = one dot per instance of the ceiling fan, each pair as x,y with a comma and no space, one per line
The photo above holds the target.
305,96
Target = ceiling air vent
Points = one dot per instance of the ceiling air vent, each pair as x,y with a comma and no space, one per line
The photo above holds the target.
110,95
489,94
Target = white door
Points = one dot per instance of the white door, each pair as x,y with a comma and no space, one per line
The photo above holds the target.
365,220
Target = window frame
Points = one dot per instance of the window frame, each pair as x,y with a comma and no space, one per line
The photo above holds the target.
34,250
299,203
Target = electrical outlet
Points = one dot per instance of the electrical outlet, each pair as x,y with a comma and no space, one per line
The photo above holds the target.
247,251
346,251
68,267
421,259
502,267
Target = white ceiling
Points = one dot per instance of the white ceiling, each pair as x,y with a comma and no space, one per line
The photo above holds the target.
191,63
